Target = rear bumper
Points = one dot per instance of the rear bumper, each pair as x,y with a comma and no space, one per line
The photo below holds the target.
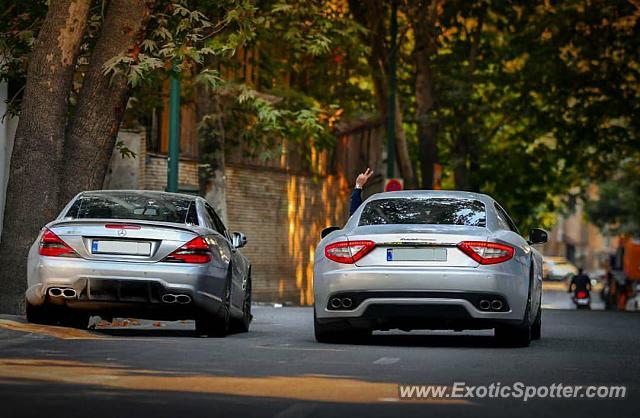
411,315
123,288
414,298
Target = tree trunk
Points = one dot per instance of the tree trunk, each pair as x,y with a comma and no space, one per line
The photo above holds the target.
102,101
425,103
211,140
423,17
32,191
467,148
371,15
461,174
402,151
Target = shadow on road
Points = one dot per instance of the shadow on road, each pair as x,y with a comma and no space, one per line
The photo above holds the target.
146,332
423,340
153,332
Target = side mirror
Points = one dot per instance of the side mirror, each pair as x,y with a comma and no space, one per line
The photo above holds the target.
239,239
538,236
328,230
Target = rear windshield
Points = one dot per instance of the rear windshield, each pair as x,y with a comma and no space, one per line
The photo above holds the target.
134,205
433,211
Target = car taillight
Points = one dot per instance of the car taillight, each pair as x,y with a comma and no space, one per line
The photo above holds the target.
52,246
486,252
348,252
195,251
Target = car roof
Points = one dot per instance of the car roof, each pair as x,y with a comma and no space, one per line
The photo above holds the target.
159,193
454,194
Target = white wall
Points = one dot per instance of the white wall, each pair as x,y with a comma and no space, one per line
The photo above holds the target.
7,133
124,172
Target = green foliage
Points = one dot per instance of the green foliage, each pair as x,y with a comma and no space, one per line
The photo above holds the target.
547,101
261,121
180,37
19,23
124,151
543,99
617,208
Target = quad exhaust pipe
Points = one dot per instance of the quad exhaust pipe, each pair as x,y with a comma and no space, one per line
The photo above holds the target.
341,303
65,292
171,298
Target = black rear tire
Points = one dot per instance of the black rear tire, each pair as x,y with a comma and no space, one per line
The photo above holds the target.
329,335
74,319
57,315
536,328
517,335
38,314
216,325
514,336
243,324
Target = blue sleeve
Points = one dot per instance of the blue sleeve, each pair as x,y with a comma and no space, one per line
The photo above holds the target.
356,200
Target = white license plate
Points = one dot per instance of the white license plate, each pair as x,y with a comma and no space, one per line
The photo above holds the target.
416,254
121,247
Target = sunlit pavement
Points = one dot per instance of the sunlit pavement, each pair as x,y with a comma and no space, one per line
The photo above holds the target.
152,369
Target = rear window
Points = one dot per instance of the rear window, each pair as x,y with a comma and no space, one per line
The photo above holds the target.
433,211
137,206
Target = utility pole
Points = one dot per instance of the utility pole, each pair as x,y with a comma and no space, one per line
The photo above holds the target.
391,107
174,131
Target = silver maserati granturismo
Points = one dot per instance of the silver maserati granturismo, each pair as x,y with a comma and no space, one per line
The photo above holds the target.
428,260
139,254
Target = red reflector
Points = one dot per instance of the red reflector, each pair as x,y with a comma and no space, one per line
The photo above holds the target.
196,251
121,226
348,252
581,294
52,246
486,252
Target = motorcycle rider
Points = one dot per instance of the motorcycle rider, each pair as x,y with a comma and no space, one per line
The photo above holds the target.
581,281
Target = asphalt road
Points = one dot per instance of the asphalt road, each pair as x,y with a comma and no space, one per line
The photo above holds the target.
278,370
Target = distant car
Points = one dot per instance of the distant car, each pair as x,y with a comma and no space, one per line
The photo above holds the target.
558,268
428,260
142,254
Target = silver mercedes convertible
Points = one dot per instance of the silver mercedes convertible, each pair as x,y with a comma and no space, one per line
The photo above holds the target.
139,254
428,260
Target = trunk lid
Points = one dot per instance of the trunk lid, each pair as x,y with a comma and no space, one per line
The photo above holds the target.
417,245
138,241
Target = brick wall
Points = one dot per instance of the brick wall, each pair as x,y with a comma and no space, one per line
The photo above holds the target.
147,171
281,211
282,215
155,173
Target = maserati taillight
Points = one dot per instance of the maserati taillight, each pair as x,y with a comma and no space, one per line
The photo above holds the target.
348,252
486,252
196,251
52,246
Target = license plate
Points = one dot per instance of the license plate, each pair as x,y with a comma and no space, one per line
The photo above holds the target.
121,247
416,254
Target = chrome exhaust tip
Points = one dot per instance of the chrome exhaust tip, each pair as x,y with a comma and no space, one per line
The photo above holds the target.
335,303
56,292
69,293
183,299
496,304
168,298
485,304
347,303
